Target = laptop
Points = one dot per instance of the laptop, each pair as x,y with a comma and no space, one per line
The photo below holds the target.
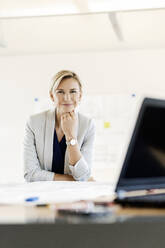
142,178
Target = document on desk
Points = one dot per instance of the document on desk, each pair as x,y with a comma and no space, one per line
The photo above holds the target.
54,192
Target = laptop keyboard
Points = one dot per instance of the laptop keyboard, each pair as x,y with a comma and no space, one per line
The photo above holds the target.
157,200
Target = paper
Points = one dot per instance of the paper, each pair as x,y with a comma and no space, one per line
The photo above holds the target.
53,192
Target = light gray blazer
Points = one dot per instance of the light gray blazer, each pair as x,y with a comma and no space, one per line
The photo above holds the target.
38,148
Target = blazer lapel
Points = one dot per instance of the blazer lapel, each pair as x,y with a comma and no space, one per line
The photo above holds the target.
49,135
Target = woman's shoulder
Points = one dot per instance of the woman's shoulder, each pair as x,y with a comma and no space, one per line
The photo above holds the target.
39,117
87,125
85,120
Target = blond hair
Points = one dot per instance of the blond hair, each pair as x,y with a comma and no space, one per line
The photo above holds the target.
56,80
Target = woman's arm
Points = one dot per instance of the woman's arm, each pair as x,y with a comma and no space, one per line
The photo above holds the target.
80,159
74,153
81,170
61,177
32,168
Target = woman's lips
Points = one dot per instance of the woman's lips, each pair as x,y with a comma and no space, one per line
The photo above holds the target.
67,105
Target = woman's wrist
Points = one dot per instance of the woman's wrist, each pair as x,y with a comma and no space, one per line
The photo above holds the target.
68,137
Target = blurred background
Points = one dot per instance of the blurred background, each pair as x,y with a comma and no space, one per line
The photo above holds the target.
116,47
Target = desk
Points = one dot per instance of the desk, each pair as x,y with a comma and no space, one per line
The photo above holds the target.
41,227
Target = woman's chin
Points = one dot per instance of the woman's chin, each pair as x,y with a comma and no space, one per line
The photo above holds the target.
67,109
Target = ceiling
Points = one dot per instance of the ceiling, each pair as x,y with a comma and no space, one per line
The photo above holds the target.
24,8
115,30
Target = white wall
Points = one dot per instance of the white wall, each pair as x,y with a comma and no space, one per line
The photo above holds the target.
24,78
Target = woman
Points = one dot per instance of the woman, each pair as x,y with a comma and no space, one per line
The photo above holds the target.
58,143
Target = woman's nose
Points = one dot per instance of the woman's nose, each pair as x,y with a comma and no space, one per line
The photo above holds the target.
67,96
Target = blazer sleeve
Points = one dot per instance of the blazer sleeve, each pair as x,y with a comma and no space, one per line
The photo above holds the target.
32,167
81,171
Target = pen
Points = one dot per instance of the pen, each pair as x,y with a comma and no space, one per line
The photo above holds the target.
32,199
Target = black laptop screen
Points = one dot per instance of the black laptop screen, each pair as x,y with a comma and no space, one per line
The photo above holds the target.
148,154
145,159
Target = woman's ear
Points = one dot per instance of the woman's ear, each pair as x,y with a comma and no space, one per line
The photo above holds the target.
51,96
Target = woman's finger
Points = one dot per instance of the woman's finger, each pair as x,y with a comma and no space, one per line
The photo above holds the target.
72,113
66,116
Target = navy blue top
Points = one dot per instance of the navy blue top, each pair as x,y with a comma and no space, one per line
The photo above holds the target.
59,149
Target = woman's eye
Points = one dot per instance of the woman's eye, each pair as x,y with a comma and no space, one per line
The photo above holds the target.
71,92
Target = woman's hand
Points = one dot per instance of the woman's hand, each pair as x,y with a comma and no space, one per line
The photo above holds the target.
63,177
69,124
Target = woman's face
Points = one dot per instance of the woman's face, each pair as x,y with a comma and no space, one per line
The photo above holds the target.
67,95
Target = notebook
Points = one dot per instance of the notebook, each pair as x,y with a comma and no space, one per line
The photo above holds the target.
142,177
